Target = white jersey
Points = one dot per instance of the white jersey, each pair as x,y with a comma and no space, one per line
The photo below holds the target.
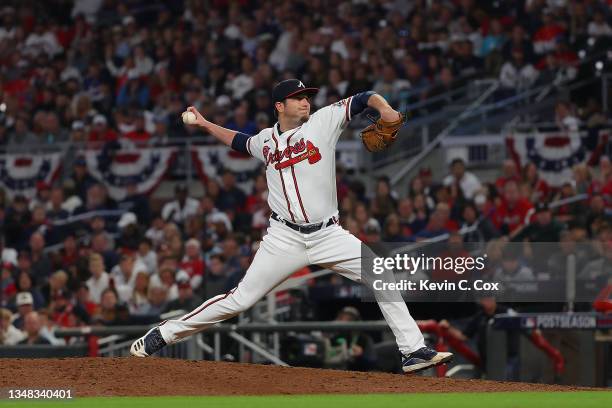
301,176
301,164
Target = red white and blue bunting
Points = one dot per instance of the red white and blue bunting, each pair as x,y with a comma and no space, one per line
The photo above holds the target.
143,167
555,154
210,161
19,173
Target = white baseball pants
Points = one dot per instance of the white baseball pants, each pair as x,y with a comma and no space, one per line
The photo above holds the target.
282,252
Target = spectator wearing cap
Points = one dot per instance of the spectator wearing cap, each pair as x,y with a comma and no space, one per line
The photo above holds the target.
25,305
62,310
9,334
100,132
544,229
8,255
372,232
351,350
186,299
100,279
193,262
129,233
464,180
32,326
179,210
136,203
77,133
139,134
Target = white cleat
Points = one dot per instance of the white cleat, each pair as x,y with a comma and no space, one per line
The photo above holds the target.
148,344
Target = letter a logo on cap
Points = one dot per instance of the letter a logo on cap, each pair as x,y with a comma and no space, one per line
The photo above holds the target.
301,85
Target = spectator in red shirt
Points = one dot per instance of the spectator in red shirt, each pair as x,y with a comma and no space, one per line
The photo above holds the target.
437,224
139,134
100,132
83,300
62,310
509,172
193,263
511,212
445,211
540,190
544,40
7,284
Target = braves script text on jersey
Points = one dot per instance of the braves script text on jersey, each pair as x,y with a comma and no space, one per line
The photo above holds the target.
301,176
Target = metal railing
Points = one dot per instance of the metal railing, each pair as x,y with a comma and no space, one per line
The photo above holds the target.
492,87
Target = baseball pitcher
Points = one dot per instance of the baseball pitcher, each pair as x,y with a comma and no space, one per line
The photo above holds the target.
299,155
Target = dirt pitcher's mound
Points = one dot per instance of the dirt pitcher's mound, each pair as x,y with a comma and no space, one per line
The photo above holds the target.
157,376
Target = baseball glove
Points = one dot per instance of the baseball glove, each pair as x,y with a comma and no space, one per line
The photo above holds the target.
381,134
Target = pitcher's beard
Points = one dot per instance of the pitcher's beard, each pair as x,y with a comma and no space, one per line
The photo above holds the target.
304,118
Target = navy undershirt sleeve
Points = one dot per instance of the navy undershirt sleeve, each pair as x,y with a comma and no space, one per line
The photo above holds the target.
239,142
360,102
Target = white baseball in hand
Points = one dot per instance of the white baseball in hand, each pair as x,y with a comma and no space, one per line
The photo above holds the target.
189,118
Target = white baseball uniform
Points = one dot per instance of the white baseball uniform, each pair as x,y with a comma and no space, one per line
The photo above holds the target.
301,176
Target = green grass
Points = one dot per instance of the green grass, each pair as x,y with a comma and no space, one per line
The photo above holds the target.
454,400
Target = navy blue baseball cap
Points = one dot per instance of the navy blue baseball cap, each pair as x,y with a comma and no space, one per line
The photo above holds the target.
291,87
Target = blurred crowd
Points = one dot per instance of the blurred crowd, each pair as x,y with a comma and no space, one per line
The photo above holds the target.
100,70
134,268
